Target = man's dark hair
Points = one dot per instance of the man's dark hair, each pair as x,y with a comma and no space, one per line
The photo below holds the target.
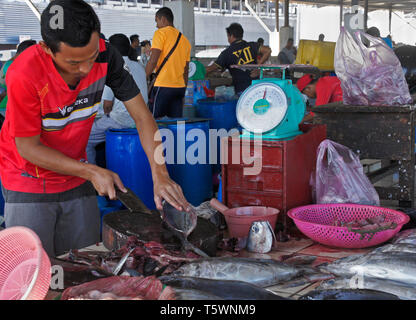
24,45
79,23
165,12
260,41
290,40
145,42
121,43
373,31
236,30
134,37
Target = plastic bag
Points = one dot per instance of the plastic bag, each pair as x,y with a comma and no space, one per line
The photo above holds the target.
224,92
340,177
370,74
199,94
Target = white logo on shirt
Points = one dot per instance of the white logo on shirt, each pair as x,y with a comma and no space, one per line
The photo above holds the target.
67,109
126,67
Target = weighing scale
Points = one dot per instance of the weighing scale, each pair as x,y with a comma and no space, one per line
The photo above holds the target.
271,108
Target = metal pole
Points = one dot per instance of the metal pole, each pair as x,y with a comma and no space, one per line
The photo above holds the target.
390,16
33,8
286,13
277,15
341,12
365,14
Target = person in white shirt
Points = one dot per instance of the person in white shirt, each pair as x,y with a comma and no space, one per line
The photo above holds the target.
114,114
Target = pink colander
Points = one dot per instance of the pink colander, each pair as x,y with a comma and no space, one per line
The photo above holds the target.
315,221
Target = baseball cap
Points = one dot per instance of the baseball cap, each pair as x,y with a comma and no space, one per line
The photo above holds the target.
303,82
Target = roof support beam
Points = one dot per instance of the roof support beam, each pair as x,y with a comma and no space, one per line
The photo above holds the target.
277,15
365,14
286,13
33,8
390,16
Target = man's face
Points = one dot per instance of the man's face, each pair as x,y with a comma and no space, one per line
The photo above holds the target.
135,43
310,91
75,61
159,22
289,45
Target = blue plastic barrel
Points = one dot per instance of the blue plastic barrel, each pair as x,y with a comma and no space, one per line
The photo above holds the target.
185,145
219,197
126,157
222,115
1,206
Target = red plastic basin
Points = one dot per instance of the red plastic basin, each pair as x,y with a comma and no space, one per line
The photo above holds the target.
239,220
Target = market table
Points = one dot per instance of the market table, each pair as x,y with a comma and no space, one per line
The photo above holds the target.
294,247
377,132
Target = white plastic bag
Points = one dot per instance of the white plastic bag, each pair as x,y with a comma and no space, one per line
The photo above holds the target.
340,177
370,74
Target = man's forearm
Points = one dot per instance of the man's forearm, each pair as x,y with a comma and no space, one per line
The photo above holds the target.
44,157
147,128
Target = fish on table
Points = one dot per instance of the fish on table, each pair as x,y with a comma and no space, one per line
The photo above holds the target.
401,290
260,272
224,289
348,294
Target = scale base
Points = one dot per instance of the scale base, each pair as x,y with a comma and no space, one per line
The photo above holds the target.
270,135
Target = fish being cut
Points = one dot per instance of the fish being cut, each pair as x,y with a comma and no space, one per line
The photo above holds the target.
260,272
225,289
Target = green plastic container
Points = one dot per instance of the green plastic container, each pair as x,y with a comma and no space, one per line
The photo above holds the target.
196,70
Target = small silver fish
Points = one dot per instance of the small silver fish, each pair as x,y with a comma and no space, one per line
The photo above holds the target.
260,238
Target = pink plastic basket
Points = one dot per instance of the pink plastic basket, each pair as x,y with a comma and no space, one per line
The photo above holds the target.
25,268
315,221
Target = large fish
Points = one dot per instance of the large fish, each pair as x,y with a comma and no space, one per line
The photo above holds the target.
224,289
394,266
348,294
192,294
260,272
400,290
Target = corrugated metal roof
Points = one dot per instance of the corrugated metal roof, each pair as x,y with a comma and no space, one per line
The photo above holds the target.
16,19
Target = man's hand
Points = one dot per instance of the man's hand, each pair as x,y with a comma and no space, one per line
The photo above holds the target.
255,73
108,106
31,149
152,63
211,68
104,181
165,188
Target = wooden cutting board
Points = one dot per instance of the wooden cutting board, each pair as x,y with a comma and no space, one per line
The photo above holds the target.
119,225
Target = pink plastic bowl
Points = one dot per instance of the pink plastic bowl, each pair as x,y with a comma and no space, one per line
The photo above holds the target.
315,221
239,220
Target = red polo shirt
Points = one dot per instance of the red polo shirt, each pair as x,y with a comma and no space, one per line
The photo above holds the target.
41,103
328,89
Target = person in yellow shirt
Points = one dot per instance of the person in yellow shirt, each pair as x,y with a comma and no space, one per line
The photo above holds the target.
166,97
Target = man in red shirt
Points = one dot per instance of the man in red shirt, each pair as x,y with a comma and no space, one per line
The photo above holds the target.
325,90
54,91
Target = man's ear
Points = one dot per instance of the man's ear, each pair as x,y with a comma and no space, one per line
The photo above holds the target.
45,48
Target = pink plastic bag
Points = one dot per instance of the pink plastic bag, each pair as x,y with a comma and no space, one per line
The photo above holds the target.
340,178
370,75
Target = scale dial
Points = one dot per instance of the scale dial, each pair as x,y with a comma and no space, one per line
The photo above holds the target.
262,107
192,69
